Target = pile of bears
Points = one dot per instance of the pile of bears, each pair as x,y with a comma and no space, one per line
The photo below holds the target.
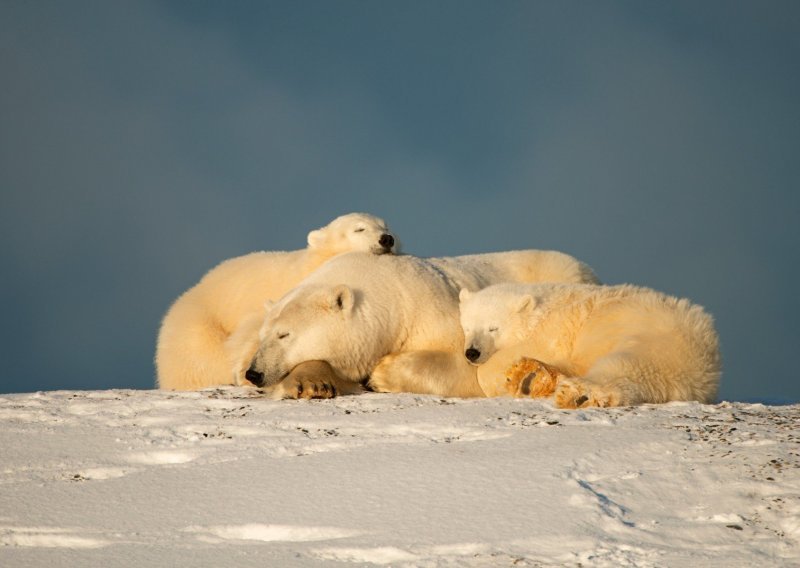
350,313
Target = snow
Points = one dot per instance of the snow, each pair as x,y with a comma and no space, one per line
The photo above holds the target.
224,477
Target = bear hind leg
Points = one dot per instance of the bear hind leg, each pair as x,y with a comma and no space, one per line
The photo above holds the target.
618,379
583,393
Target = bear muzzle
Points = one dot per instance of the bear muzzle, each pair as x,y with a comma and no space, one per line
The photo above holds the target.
255,377
386,241
472,354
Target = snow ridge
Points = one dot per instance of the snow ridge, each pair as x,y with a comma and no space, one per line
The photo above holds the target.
225,477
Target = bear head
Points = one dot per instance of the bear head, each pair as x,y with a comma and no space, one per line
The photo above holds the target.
354,232
494,318
316,322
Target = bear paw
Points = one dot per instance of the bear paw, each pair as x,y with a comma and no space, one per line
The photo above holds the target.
531,378
576,393
308,387
312,379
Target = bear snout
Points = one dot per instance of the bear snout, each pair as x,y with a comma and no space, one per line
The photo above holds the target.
255,377
472,354
386,241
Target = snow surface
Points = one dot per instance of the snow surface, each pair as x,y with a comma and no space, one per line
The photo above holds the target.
223,477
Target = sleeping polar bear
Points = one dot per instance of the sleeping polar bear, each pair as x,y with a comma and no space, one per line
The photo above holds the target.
392,319
215,324
590,345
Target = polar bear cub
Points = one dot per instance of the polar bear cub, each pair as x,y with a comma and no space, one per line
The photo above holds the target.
214,325
592,345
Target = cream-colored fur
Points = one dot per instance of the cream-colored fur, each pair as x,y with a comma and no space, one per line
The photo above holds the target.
447,373
438,372
313,379
614,345
477,271
214,326
392,318
357,309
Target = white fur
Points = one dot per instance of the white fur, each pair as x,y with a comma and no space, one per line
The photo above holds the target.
356,310
394,319
213,326
477,271
615,345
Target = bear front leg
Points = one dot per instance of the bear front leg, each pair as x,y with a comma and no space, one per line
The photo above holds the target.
313,379
241,345
531,378
426,372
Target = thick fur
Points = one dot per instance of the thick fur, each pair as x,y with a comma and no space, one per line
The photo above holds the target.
354,311
313,379
392,319
358,309
477,271
214,325
447,373
613,345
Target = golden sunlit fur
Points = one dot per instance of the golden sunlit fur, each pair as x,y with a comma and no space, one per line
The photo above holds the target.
313,379
608,345
214,326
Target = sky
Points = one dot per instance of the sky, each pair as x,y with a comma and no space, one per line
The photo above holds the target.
141,143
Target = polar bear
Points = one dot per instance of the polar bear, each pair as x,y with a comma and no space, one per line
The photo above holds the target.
401,335
591,345
358,309
215,324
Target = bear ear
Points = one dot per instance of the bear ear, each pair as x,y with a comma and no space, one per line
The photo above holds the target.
341,298
464,295
316,238
523,304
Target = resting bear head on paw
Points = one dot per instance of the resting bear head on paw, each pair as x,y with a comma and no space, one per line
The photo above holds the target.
492,319
354,232
302,328
353,311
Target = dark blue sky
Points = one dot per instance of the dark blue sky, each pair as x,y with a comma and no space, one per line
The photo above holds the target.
143,142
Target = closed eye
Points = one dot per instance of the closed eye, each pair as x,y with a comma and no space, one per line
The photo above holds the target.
283,335
361,230
492,329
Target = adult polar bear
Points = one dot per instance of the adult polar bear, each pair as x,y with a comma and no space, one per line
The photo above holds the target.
362,314
215,323
591,345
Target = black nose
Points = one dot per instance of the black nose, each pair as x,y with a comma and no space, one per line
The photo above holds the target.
254,377
386,241
472,354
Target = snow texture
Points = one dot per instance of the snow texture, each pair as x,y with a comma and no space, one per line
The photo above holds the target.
223,477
